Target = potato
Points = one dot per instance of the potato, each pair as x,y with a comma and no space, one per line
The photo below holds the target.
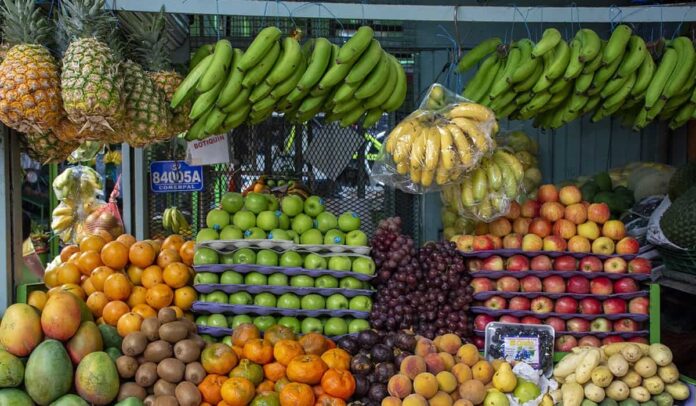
632,379
645,367
573,394
654,385
584,371
618,391
602,376
570,378
631,353
568,364
616,348
669,373
678,390
618,365
661,354
640,394
594,392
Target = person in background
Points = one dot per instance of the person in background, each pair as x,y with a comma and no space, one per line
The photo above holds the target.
32,263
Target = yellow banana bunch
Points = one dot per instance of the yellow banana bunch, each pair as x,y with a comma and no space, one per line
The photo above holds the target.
173,220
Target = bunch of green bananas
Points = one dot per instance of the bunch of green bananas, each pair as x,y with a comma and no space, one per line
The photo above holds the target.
173,220
354,82
555,82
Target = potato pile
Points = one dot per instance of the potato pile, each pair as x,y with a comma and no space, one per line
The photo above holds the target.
160,362
630,373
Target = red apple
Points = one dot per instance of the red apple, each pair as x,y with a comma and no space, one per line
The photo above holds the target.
578,243
497,241
540,227
512,241
521,225
508,284
482,243
564,228
578,285
598,212
479,342
612,340
530,209
639,265
481,228
554,284
514,211
627,246
566,343
576,213
614,306
615,265
552,211
500,227
482,285
614,229
532,242
566,305
496,303
578,325
474,264
509,319
517,263
601,286
482,320
600,324
641,340
570,195
625,325
530,284
541,263
493,263
589,341
603,246
639,305
541,304
547,193
554,243
557,323
519,303
590,305
589,230
530,320
625,285
565,263
591,264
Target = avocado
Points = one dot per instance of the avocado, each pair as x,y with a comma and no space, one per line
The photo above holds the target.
608,402
589,190
588,402
603,181
629,402
649,403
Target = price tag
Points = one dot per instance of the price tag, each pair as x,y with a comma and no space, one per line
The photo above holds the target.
175,176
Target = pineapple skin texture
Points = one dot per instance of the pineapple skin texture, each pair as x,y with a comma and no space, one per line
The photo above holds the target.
168,82
46,148
30,97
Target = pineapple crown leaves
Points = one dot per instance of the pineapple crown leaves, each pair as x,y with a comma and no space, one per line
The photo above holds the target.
84,19
23,23
148,36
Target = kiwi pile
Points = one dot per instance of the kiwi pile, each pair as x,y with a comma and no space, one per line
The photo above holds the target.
160,364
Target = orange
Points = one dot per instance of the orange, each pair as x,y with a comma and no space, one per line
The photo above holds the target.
126,239
144,310
135,274
68,273
285,351
113,311
141,254
174,241
184,297
237,391
186,252
37,299
117,286
88,261
167,256
151,276
129,323
75,289
274,371
51,278
99,276
92,243
87,285
137,296
156,244
115,255
103,234
258,351
308,368
297,394
159,296
67,252
96,302
176,275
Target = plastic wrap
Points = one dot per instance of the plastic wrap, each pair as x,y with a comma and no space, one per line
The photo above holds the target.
107,217
78,189
436,144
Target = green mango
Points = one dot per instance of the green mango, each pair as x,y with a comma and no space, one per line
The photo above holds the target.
96,378
14,397
603,181
11,370
131,401
663,399
49,373
114,353
70,400
589,190
110,336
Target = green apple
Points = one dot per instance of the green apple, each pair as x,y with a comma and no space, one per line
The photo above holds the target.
264,322
201,297
240,298
244,219
314,261
244,256
227,259
358,325
227,340
301,223
278,279
208,339
205,256
292,205
334,237
265,299
202,320
302,281
216,297
311,236
255,233
350,283
232,202
255,278
312,302
255,202
360,303
326,282
288,301
337,302
217,219
232,278
326,221
273,203
313,206
267,220
335,326
339,263
231,232
311,325
365,266
278,234
205,277
356,238
217,320
283,220
267,257
290,322
240,319
290,259
348,221
207,234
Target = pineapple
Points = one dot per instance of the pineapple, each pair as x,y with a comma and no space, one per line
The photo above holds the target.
30,98
46,148
91,79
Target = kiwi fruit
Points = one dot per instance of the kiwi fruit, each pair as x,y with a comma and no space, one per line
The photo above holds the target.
134,343
195,372
166,400
166,315
126,366
187,394
151,327
187,351
173,332
149,401
163,387
158,350
171,370
192,328
199,341
141,359
131,389
146,375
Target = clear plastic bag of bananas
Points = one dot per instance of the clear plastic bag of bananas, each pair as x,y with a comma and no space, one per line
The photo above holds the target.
78,188
437,144
78,181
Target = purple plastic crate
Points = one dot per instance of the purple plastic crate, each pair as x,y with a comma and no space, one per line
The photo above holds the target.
598,334
564,274
230,309
508,295
279,290
552,254
223,331
565,316
268,270
227,246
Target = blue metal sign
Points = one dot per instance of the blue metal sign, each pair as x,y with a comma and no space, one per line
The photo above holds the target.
175,176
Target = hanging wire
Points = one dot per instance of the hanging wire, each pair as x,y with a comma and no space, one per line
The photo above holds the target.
524,19
218,19
320,5
577,14
676,30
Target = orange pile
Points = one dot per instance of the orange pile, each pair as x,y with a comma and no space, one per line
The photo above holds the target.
125,281
278,368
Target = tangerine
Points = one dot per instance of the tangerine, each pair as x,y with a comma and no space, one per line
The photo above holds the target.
126,239
159,296
96,302
99,276
113,311
144,310
174,241
296,394
68,273
308,368
285,351
167,256
186,252
92,243
51,278
137,296
128,323
258,351
274,371
184,297
176,275
88,261
87,285
117,286
75,289
67,252
237,391
135,274
103,234
151,276
141,254
115,255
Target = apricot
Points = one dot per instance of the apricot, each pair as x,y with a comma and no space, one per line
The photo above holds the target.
414,400
448,359
483,371
424,347
434,363
425,384
496,363
399,386
446,381
440,399
462,372
473,391
412,365
391,401
449,343
468,354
